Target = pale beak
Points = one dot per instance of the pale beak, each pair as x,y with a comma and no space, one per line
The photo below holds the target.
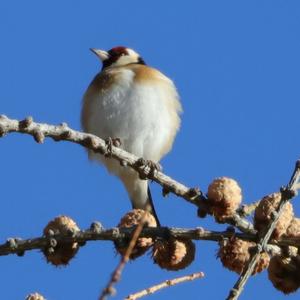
103,55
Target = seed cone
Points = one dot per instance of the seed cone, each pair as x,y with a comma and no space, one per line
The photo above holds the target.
173,254
266,208
63,252
284,273
225,196
235,255
133,218
294,229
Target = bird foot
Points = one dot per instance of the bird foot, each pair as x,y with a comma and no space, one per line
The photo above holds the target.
153,167
110,142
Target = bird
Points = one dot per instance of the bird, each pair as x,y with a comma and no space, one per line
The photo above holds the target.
137,105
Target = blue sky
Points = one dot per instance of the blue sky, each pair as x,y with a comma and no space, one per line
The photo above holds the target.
236,65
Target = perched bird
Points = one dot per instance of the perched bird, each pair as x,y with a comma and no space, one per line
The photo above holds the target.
137,105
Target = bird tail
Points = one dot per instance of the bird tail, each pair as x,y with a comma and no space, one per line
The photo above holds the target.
151,206
139,193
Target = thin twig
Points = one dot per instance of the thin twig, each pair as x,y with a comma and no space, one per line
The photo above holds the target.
248,209
64,133
287,193
20,246
116,275
165,284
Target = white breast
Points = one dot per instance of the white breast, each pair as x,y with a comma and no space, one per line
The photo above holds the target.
143,116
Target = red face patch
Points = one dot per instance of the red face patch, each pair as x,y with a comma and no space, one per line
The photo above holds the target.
118,51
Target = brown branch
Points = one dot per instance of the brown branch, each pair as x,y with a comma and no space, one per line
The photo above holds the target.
19,246
64,133
116,275
248,209
287,193
165,284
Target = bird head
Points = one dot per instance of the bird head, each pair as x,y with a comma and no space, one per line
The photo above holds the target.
118,56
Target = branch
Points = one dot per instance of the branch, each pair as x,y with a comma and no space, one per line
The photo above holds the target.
116,275
248,209
20,246
287,193
165,284
64,133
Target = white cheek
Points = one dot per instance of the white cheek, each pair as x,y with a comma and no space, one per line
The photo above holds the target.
125,60
132,53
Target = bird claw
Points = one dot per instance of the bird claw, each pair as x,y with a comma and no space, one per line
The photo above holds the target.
110,142
153,167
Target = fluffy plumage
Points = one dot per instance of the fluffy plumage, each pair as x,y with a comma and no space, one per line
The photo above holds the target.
137,104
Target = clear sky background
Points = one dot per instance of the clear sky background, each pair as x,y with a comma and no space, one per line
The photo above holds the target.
237,68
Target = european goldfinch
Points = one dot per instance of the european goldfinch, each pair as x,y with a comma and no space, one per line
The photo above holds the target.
139,106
